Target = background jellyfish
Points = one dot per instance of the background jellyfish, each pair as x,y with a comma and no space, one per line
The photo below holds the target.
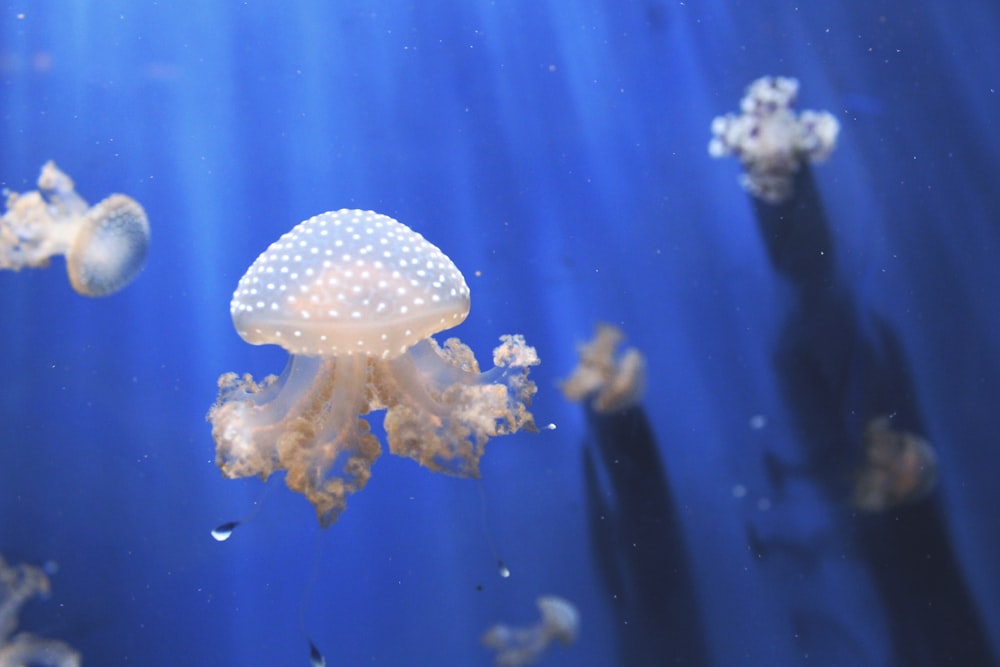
517,647
612,382
355,296
771,140
18,584
899,468
105,245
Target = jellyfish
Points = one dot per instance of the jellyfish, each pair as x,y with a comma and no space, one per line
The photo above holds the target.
771,140
355,298
900,468
105,245
612,382
18,584
517,647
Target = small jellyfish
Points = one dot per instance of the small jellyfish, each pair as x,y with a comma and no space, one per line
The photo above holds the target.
355,297
611,382
224,531
899,468
18,584
105,245
771,140
517,647
316,658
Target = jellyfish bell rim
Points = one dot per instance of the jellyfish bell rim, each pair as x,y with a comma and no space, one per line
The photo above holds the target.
286,338
110,248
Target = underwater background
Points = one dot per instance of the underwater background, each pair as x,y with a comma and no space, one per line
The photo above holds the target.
557,152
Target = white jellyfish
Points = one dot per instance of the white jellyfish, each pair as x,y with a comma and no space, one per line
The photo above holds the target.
355,297
18,584
105,245
517,647
611,381
771,140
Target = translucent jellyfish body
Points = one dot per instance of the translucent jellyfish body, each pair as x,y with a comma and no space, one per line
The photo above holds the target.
105,245
899,468
517,647
771,140
355,297
18,584
611,382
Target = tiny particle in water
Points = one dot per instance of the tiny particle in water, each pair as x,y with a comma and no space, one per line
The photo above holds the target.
502,569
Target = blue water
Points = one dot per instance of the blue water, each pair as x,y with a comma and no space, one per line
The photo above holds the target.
556,151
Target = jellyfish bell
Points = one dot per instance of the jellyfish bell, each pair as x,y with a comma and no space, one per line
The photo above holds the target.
355,298
110,248
346,283
560,618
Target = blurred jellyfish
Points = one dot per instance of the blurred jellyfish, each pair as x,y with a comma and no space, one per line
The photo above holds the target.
355,296
899,468
105,245
771,140
18,584
612,382
517,647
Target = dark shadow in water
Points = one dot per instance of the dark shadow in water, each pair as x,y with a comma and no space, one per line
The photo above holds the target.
637,538
838,370
932,618
797,235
